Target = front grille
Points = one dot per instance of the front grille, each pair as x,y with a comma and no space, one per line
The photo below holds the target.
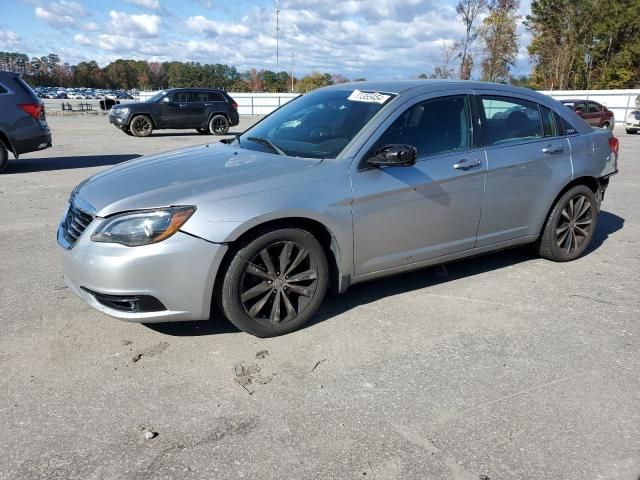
75,223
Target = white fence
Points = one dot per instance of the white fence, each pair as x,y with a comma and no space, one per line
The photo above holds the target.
620,102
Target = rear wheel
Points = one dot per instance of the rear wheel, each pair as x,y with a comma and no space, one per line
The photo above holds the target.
141,126
275,283
4,156
219,125
570,225
606,125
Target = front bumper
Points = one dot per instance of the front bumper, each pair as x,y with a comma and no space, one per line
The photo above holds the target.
119,120
179,272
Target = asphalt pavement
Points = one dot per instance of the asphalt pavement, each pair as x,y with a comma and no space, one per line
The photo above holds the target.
504,366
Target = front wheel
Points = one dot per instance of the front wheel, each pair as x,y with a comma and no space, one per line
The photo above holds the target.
631,132
275,283
141,126
219,125
570,225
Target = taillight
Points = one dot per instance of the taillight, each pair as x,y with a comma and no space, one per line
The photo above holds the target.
234,105
614,143
36,110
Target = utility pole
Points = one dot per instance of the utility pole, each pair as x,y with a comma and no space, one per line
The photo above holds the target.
292,71
277,38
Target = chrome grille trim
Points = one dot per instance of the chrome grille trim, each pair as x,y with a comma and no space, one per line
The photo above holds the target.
73,224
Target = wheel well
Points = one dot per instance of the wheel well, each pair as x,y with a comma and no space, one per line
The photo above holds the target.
5,141
219,113
317,229
591,182
150,117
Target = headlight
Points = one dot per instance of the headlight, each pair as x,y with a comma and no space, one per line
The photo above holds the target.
121,112
143,227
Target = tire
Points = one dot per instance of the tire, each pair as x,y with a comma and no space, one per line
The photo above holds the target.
141,126
631,132
606,125
203,131
570,225
127,130
219,125
251,285
4,156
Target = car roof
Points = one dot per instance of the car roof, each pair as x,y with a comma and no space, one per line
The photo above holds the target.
425,86
4,74
575,100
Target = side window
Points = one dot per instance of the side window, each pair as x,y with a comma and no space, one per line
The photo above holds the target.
593,107
510,120
564,127
435,126
180,97
2,90
580,107
198,97
548,123
214,97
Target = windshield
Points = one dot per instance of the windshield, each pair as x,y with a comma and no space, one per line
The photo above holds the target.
317,125
156,97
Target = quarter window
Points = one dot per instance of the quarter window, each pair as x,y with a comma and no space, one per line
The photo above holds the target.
214,97
2,90
435,126
510,120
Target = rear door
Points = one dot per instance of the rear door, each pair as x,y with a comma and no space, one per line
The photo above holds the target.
527,159
195,111
593,115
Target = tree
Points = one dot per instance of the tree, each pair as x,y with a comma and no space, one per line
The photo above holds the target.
313,81
468,11
445,70
498,34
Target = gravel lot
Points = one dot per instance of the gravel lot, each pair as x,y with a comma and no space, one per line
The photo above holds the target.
504,366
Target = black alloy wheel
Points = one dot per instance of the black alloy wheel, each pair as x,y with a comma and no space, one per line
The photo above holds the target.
141,126
275,283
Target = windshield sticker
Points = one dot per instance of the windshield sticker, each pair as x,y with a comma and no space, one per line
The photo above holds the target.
369,97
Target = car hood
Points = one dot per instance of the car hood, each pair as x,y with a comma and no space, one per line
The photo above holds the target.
130,105
187,176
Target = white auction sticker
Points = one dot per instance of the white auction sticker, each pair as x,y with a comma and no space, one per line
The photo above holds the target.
369,97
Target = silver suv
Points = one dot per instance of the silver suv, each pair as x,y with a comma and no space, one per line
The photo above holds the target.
337,187
23,124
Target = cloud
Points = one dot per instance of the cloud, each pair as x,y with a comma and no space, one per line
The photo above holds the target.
9,40
141,25
63,14
81,39
150,4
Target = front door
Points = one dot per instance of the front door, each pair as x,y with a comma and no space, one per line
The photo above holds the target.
405,215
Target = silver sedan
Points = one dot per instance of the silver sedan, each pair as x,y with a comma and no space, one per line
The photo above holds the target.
343,185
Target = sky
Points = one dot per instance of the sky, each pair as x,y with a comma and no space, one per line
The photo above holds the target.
374,39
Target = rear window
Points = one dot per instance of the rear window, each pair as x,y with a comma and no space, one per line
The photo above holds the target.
510,120
27,89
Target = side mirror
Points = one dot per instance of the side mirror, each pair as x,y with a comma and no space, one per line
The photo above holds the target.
166,100
394,156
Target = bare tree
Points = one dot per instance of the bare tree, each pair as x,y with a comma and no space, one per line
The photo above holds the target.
450,52
468,11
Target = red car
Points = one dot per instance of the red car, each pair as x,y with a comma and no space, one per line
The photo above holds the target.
594,114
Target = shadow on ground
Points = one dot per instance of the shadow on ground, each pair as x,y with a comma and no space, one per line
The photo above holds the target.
28,165
369,292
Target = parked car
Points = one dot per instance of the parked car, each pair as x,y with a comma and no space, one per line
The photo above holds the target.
23,123
632,122
206,110
593,113
337,187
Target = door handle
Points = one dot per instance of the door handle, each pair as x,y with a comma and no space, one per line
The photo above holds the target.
467,164
553,149
182,105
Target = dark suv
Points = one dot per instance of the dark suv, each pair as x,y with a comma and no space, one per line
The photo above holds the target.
206,110
23,126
